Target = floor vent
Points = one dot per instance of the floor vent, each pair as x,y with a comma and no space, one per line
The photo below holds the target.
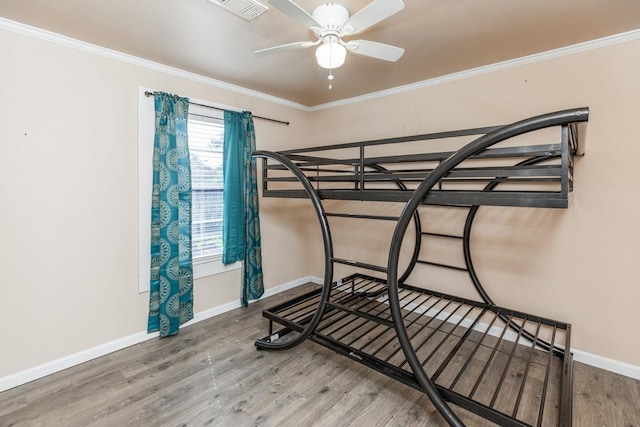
247,9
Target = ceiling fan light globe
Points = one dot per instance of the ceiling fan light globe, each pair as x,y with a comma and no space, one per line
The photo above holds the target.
331,55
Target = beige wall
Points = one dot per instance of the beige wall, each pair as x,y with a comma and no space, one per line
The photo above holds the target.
578,265
68,183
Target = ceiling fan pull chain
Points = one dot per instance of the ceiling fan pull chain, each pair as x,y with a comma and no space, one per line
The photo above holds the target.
330,77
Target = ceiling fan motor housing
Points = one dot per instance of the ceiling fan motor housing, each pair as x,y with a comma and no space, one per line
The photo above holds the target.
331,16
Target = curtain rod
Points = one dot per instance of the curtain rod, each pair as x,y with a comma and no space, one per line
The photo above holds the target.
147,93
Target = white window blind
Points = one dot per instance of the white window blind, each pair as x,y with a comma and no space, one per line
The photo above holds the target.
206,138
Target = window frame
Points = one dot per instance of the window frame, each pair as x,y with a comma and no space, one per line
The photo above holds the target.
202,267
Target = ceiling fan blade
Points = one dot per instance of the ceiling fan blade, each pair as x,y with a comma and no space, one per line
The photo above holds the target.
375,50
285,47
294,12
374,12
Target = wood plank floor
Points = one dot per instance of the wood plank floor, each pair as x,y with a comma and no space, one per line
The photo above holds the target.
210,374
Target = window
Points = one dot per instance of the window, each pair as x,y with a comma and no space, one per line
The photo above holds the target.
206,138
206,133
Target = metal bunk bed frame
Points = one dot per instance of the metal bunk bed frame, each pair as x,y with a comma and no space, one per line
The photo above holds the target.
433,341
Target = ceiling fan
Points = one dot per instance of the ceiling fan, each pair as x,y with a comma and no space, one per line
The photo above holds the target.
331,22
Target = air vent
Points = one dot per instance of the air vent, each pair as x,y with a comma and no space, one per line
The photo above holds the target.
247,9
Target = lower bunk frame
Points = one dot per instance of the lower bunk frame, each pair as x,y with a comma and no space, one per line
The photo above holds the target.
504,365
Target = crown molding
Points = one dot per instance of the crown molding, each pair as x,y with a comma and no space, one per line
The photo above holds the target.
512,63
39,33
27,30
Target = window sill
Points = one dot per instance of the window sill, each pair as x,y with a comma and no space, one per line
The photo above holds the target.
205,267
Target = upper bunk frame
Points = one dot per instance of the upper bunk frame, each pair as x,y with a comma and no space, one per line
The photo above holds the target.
543,172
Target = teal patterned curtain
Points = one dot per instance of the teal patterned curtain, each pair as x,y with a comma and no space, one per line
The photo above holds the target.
171,295
241,222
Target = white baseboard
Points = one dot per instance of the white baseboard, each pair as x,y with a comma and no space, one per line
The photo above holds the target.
202,315
28,375
48,368
622,368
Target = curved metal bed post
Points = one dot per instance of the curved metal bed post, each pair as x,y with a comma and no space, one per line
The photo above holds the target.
466,248
466,236
328,254
418,227
473,148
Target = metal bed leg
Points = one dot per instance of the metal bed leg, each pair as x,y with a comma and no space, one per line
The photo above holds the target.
328,255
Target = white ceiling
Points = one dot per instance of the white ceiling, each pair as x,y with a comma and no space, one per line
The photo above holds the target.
439,37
